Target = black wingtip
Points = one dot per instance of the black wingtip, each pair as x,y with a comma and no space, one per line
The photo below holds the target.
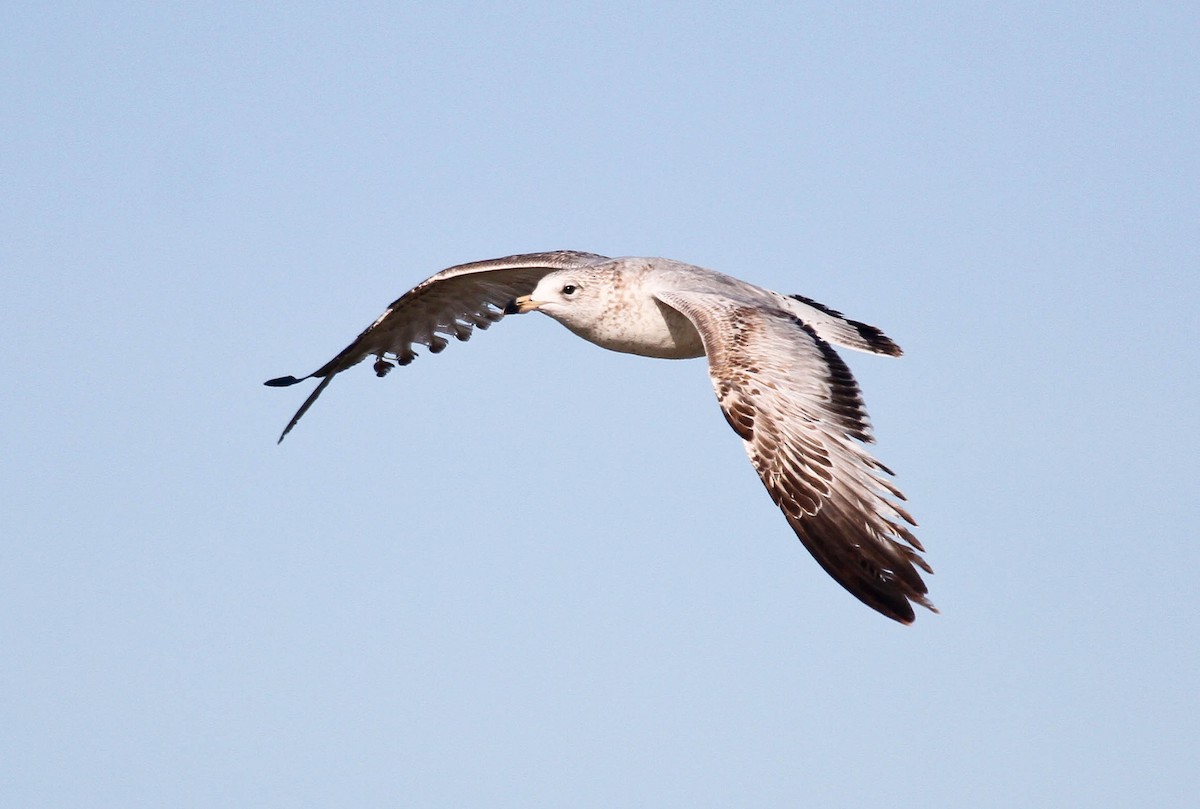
876,339
281,381
312,397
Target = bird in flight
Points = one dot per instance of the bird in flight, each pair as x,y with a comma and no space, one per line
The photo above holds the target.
780,384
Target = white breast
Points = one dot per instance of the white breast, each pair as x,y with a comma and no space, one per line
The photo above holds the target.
637,323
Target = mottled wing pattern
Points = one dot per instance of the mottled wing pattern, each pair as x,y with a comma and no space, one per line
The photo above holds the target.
452,303
801,417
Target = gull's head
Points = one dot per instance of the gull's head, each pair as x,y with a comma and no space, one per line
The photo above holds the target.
573,297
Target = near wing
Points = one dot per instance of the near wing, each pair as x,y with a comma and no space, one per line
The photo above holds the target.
800,414
451,303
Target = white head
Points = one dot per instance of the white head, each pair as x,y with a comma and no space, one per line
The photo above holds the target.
613,307
577,298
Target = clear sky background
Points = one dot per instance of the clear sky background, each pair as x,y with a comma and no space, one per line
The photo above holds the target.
529,572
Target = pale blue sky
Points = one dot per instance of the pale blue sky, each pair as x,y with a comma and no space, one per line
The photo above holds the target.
528,572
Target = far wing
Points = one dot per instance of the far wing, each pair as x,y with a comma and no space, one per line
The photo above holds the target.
451,303
801,417
834,327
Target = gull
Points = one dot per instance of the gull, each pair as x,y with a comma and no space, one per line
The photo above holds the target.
781,386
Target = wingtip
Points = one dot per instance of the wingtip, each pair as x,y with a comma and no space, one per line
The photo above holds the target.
904,613
290,425
281,381
876,340
312,397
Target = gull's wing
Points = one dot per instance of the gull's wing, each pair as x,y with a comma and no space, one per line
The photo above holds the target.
451,303
800,414
834,327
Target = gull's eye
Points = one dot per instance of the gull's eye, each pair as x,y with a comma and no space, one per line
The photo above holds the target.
569,289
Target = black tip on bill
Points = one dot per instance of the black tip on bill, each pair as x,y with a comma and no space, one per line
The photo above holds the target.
510,308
